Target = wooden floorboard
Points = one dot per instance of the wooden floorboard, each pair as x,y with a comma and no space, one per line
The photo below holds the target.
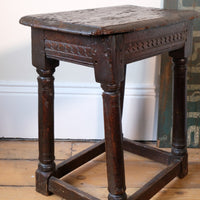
18,162
29,150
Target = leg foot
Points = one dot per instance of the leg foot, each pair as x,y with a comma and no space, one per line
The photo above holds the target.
117,197
184,167
42,179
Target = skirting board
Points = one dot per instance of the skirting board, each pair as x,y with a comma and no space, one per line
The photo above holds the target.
78,111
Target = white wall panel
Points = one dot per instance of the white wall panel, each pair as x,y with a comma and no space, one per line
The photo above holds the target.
78,111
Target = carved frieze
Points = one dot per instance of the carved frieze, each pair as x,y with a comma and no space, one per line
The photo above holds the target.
68,52
150,45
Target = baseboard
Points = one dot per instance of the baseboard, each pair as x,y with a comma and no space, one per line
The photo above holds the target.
17,87
78,110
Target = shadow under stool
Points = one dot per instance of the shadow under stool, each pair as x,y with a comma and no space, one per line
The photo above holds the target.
107,39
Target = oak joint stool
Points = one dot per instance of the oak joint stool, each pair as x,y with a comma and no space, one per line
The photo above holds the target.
107,39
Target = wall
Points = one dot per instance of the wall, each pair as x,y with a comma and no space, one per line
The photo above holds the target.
78,104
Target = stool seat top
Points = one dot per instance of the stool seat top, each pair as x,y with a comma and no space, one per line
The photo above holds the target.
108,20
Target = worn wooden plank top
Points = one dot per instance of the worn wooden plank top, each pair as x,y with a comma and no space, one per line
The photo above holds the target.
109,20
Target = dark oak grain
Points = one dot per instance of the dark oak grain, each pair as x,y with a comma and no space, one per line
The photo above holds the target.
114,142
81,158
66,190
158,182
109,20
147,151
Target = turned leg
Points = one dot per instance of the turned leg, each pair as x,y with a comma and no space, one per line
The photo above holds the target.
179,138
46,164
113,142
45,68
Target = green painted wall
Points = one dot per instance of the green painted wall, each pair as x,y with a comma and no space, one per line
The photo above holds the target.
193,88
